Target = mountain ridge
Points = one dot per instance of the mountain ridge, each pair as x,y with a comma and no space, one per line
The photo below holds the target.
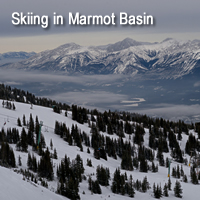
170,58
11,57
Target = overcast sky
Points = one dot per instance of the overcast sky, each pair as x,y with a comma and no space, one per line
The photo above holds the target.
173,18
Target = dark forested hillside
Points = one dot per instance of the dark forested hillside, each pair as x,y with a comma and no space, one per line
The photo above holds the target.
14,94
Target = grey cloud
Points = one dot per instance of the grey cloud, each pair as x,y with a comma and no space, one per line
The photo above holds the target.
48,78
197,84
89,97
173,112
69,89
77,90
12,83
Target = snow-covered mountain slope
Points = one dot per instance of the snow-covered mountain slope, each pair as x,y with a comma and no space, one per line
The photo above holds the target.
13,187
125,44
12,57
168,59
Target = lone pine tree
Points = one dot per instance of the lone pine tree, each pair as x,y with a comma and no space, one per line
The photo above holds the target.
165,190
45,167
178,190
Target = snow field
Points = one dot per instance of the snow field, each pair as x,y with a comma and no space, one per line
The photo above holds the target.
13,187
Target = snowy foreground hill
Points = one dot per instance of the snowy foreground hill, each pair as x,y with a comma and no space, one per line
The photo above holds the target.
15,186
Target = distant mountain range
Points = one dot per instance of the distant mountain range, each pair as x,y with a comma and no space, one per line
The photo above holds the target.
12,57
170,58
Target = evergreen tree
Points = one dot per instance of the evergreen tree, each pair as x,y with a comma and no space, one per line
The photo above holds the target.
131,191
19,122
55,156
169,183
160,191
103,175
154,168
143,165
88,150
96,187
116,182
167,162
179,135
89,183
165,190
71,189
178,172
31,123
3,103
154,188
29,161
193,174
56,109
126,162
78,167
178,190
51,144
138,185
69,176
96,154
45,167
152,142
135,162
30,138
185,178
182,172
160,156
42,141
19,161
157,191
102,153
174,172
22,145
145,185
24,120
139,132
32,162
89,162
15,135
7,157
13,106
23,141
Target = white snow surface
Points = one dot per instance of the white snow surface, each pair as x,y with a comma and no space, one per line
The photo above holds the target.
13,187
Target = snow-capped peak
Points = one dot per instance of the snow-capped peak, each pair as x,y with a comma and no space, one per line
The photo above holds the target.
175,57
